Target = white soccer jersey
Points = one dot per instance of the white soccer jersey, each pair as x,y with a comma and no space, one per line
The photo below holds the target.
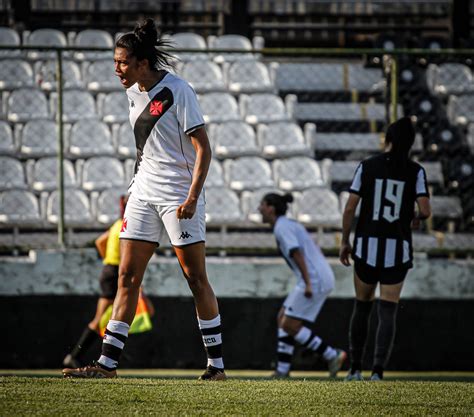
291,235
161,120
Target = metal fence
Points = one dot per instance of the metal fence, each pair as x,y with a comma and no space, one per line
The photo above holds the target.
303,119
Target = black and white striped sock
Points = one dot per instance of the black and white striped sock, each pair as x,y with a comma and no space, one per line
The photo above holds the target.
212,338
115,337
313,342
286,347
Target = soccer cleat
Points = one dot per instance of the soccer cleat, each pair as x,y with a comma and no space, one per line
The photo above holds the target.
89,371
70,362
335,365
213,374
280,375
376,377
354,376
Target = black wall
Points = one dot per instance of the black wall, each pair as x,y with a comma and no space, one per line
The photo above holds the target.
38,331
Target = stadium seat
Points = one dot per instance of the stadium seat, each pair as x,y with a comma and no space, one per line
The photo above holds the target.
318,207
219,107
186,40
348,142
233,139
250,201
25,104
44,37
125,140
460,109
249,77
45,73
449,78
77,210
263,108
204,76
102,172
43,174
222,206
341,172
15,73
297,173
93,38
306,77
12,174
215,176
364,79
108,205
9,37
446,207
90,137
248,173
434,172
100,76
230,42
113,107
77,105
282,139
7,141
19,208
39,138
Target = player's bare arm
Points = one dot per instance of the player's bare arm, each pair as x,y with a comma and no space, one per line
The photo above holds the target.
101,243
200,142
347,220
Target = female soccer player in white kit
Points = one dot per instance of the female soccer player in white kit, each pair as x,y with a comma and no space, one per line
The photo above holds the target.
315,280
173,157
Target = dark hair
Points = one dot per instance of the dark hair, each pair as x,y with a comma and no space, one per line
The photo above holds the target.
279,202
401,134
145,43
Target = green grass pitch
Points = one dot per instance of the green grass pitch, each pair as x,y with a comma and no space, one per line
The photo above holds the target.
155,392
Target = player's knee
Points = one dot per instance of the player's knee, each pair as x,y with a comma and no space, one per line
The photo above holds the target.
128,279
196,280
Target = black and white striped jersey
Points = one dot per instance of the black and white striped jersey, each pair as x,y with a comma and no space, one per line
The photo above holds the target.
388,194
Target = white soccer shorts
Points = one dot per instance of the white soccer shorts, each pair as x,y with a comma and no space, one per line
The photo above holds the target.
147,222
298,306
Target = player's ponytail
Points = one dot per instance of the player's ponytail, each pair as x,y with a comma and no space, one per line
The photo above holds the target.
401,134
279,202
145,43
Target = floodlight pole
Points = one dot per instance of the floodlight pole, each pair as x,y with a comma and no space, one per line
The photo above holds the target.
60,136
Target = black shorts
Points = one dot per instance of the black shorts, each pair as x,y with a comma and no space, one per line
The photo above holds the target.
386,276
109,281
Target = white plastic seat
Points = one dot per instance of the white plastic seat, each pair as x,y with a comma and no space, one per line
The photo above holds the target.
93,38
449,78
39,138
446,207
125,140
263,108
15,73
250,201
434,172
348,142
108,205
89,138
9,37
304,77
215,176
77,210
77,105
204,76
25,104
460,109
113,107
12,174
249,77
297,173
45,72
19,208
219,107
222,206
318,207
248,173
100,76
328,111
187,40
43,174
102,172
45,37
7,142
282,139
341,171
364,79
233,139
230,42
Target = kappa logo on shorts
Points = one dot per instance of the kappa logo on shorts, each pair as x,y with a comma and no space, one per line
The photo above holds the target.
124,225
185,235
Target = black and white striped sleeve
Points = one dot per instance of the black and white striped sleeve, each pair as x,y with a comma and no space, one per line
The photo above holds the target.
422,184
356,186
